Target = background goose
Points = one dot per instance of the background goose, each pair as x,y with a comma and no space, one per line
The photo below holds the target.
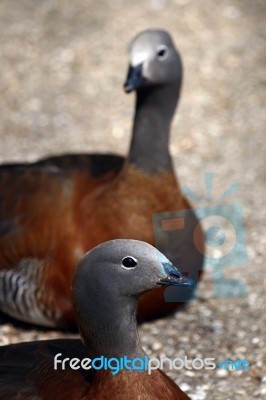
53,211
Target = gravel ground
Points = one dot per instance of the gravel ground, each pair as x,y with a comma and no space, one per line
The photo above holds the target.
62,68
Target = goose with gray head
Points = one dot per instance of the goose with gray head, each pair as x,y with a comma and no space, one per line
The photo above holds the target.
100,198
107,285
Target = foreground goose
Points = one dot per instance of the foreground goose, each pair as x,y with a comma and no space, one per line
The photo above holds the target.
106,287
53,211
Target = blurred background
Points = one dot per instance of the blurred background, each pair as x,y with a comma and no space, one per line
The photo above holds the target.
63,64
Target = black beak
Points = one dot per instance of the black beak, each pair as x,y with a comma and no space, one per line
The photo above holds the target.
172,280
134,80
174,277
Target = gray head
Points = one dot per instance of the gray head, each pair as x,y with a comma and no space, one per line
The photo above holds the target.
154,60
107,284
155,73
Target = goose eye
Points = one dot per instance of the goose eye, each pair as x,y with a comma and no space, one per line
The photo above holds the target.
129,262
162,52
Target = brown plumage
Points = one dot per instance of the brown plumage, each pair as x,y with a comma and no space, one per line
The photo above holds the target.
55,210
27,370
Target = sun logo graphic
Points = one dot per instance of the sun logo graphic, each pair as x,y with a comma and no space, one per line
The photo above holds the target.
176,234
